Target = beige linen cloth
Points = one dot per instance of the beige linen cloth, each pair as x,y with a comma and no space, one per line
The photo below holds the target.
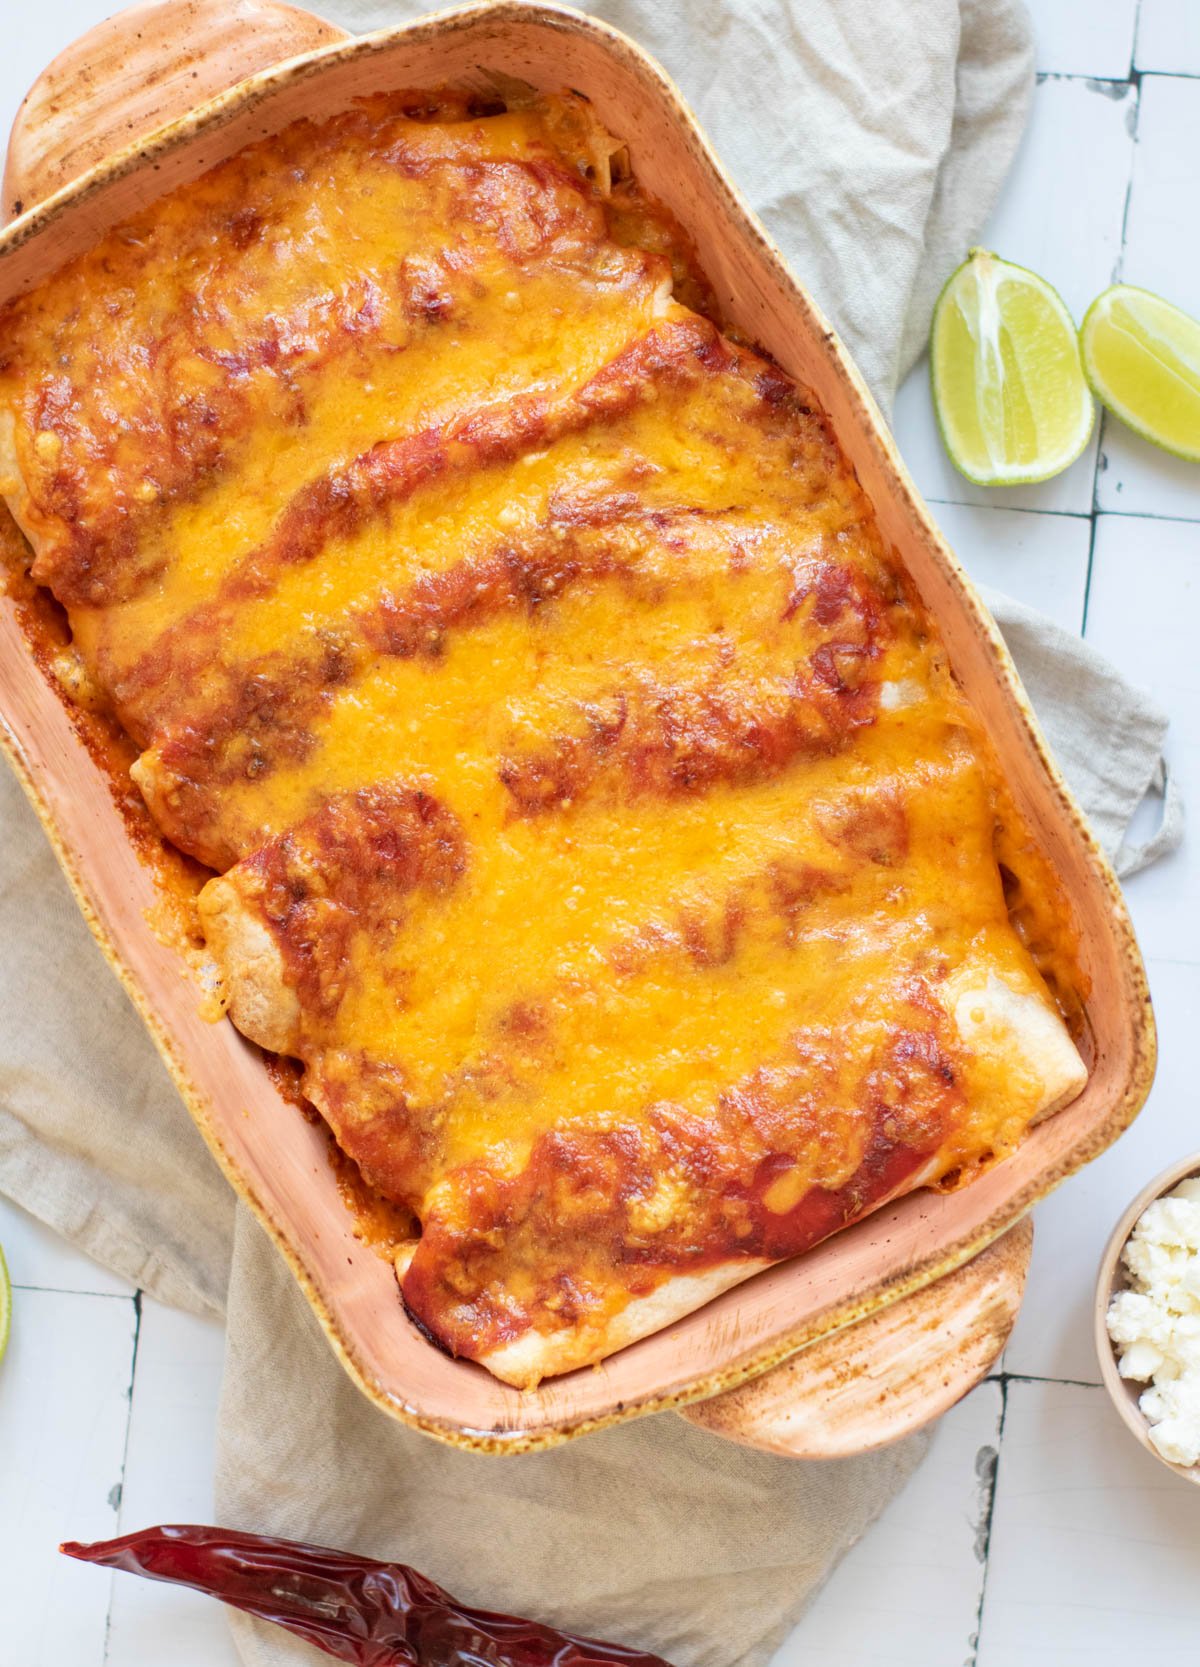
872,138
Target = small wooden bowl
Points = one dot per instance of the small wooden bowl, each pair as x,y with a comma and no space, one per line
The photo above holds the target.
1125,1392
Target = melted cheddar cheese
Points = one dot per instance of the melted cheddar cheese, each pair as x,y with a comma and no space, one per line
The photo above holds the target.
600,823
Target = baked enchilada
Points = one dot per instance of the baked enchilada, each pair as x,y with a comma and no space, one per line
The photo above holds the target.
594,813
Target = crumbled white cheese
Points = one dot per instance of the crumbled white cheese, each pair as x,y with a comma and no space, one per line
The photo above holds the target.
1155,1323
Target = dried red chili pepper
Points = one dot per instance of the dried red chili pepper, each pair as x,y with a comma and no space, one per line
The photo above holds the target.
374,1614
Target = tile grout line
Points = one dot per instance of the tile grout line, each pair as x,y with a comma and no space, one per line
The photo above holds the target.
1101,462
1093,522
1133,75
985,1527
1149,514
73,1291
1135,82
1013,509
1066,514
1005,1378
1133,45
120,1484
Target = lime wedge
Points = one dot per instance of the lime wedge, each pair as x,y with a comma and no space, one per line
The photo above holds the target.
1142,358
1008,388
5,1303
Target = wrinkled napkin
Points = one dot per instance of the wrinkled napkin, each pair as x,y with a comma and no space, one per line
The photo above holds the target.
872,139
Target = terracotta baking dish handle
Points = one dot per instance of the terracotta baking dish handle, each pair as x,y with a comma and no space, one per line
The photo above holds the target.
887,1376
862,1387
137,71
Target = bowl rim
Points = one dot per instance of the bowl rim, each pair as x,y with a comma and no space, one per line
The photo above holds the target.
1125,1392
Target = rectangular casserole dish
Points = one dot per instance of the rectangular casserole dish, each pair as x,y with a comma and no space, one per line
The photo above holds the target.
278,1162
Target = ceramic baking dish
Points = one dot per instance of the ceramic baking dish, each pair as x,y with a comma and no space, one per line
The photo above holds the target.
275,1159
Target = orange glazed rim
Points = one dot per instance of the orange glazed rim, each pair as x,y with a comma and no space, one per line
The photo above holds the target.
893,1252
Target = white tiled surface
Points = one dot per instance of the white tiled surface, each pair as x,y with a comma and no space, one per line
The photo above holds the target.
1086,37
1036,1534
1094,1546
925,1558
168,1478
1144,574
64,1411
1168,36
1043,559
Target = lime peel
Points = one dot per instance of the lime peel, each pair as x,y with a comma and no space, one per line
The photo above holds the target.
1141,356
1011,399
